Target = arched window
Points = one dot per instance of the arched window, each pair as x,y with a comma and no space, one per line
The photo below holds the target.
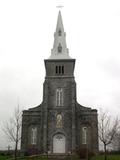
59,97
34,135
84,135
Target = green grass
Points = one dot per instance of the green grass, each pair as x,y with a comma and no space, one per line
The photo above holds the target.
3,157
109,157
99,157
25,158
45,158
35,158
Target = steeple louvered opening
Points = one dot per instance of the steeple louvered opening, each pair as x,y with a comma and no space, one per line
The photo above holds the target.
60,32
59,48
59,70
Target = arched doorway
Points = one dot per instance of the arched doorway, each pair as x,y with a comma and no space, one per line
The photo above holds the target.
59,143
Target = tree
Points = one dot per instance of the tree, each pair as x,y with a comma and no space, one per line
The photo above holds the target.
108,128
116,142
12,129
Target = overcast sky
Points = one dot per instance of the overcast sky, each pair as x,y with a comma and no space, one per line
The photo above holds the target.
26,39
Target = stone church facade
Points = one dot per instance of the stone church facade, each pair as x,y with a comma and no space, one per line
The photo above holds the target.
59,124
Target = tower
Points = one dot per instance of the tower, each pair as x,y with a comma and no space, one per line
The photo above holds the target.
60,94
59,124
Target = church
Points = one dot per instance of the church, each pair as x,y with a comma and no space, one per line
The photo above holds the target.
59,125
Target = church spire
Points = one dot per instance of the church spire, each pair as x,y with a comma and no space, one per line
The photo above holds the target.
60,50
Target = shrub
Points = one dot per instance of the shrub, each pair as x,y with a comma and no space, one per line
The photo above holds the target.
84,153
32,151
2,154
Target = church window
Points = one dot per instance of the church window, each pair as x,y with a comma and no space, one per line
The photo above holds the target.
59,97
84,135
59,48
34,135
59,32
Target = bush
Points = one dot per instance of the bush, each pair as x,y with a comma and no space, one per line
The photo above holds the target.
85,153
32,151
2,154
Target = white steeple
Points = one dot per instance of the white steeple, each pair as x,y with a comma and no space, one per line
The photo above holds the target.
60,50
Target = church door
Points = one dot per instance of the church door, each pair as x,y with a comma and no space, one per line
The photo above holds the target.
59,143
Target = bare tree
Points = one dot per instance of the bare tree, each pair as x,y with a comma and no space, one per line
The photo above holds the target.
116,142
108,128
12,129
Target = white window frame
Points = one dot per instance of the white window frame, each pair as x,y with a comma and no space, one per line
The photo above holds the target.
34,135
59,97
84,135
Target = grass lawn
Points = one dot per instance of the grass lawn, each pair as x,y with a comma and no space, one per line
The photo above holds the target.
26,158
45,158
99,157
35,158
3,157
109,157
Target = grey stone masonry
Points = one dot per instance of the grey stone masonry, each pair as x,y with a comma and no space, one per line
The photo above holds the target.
59,124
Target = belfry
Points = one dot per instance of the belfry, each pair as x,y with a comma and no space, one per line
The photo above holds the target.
59,125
